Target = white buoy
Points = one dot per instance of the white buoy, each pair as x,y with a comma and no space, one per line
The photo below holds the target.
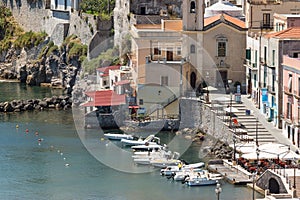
67,164
64,158
61,154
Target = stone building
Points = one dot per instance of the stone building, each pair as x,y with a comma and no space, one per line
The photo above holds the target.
212,48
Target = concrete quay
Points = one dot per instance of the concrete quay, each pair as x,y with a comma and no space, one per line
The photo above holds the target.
234,174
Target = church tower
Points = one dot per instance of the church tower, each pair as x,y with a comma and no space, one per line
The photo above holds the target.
193,15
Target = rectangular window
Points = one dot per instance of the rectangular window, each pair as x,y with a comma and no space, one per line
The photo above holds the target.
273,57
265,76
299,88
255,57
157,51
164,80
273,79
178,51
221,49
266,20
265,54
248,54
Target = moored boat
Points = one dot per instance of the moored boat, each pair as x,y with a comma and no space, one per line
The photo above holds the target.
116,136
202,178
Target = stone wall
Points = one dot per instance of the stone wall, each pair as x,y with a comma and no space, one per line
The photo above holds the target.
29,16
196,114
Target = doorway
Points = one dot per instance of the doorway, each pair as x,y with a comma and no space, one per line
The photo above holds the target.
273,186
193,80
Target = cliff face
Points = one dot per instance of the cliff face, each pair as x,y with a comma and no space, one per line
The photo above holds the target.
45,64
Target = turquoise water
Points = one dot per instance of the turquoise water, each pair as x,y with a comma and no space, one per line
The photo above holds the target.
33,171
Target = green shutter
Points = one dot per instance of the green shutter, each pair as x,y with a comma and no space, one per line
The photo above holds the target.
248,54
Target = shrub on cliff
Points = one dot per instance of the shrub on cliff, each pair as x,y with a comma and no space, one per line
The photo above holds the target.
30,39
9,29
74,48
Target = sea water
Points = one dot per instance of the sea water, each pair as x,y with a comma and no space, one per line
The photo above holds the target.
42,157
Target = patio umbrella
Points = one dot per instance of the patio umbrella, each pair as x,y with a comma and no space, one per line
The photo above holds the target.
289,155
261,155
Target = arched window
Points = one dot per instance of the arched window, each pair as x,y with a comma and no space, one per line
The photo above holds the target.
193,7
192,48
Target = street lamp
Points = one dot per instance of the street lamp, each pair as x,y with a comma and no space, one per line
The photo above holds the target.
218,190
230,111
234,150
181,82
256,132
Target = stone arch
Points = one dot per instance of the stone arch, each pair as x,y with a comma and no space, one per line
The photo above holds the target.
193,78
192,7
273,186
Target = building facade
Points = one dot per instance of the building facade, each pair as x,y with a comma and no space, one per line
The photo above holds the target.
291,99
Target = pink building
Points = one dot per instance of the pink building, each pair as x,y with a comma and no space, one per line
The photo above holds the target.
291,99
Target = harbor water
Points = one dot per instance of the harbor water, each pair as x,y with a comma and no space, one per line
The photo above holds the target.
43,157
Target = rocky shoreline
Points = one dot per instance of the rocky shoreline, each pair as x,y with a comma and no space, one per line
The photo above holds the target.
217,149
55,102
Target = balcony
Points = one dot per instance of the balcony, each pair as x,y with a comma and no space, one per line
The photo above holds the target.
271,89
287,90
266,25
297,94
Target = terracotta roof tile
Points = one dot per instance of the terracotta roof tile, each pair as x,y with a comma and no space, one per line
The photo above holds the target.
105,70
148,26
233,20
290,33
173,25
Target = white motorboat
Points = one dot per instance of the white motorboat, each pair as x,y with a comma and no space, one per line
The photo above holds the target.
169,170
148,140
163,162
116,136
148,147
145,159
202,178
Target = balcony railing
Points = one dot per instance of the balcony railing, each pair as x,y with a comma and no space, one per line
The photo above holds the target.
287,90
266,25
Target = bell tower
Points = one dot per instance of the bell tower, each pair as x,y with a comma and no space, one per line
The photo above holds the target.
192,15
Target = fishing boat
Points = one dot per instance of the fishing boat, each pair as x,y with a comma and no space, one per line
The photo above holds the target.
116,136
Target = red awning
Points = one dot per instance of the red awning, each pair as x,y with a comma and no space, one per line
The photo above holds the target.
105,98
123,82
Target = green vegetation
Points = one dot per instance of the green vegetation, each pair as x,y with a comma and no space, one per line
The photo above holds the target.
110,56
76,48
98,7
30,39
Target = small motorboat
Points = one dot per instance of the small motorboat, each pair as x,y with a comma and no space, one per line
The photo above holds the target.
148,147
169,170
148,140
116,136
202,178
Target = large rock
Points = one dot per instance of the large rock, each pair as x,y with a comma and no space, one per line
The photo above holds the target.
8,107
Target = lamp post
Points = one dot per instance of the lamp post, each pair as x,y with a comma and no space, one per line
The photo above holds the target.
253,189
230,113
181,83
218,190
256,132
234,150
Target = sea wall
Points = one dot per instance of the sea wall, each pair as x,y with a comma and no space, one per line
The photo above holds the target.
55,102
195,113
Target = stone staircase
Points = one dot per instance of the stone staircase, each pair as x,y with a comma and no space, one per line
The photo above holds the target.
251,125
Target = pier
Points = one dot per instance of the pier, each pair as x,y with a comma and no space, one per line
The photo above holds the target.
234,174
